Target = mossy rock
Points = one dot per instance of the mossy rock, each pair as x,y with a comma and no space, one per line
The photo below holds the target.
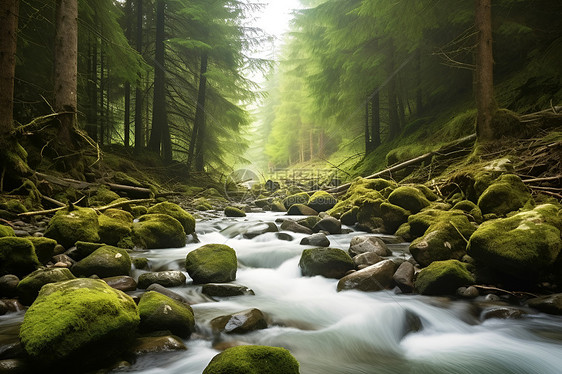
69,226
6,231
301,210
277,206
28,287
443,278
253,359
427,192
309,222
361,185
349,218
212,263
472,209
176,211
103,196
393,216
520,247
161,313
240,323
420,222
140,263
328,262
115,224
231,211
322,201
138,210
507,194
15,206
44,247
105,262
17,256
409,198
84,249
154,231
369,210
78,322
298,198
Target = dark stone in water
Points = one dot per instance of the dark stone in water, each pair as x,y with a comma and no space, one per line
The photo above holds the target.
151,344
240,323
284,236
502,312
171,278
225,290
171,294
317,240
123,283
8,285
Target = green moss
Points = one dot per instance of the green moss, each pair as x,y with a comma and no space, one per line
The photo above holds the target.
16,206
507,194
158,231
202,204
420,222
506,123
174,210
427,192
409,198
298,198
212,263
140,263
104,262
28,288
44,248
369,210
114,225
328,262
472,209
277,206
309,221
138,210
404,231
231,211
349,217
159,313
6,231
393,216
68,227
80,320
17,256
126,179
253,359
322,201
84,249
103,196
443,278
301,210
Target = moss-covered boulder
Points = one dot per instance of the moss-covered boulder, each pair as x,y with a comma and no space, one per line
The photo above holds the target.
240,323
277,206
69,226
369,212
443,240
169,278
409,198
507,194
6,231
231,211
154,231
160,313
322,201
84,249
28,287
176,211
17,256
427,192
420,222
212,263
393,216
309,222
103,196
349,217
301,210
298,198
115,224
520,247
106,261
471,209
44,247
328,262
138,210
253,359
78,322
443,278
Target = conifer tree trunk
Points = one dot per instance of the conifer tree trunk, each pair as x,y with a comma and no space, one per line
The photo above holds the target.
8,42
103,118
66,64
419,97
92,117
393,120
484,71
368,144
127,104
375,121
139,130
198,134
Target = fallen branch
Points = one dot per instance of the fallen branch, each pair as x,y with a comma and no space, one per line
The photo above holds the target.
122,203
545,179
512,293
47,211
53,201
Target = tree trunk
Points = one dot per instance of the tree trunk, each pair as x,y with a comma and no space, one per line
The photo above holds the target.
103,118
66,64
375,121
198,134
92,118
311,143
127,115
419,97
139,130
368,144
8,41
393,120
484,71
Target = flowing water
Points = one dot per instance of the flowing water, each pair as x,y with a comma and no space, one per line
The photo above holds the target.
350,331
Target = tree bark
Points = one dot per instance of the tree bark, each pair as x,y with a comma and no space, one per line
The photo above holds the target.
198,134
419,95
103,82
368,144
66,67
375,121
484,71
139,130
92,125
393,120
8,42
127,114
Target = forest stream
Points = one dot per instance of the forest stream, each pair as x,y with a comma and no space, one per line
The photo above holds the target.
342,332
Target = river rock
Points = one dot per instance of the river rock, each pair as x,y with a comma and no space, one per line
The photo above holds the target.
170,278
253,359
393,216
506,194
17,256
160,313
365,243
225,290
154,231
298,198
310,221
329,224
259,229
322,201
349,217
15,366
212,263
166,292
122,283
372,278
328,262
174,210
551,304
83,250
502,312
105,262
63,261
8,285
29,287
470,292
317,240
44,248
80,322
240,323
409,198
363,260
69,226
471,209
154,344
231,211
443,278
115,224
404,277
301,210
293,226
6,231
277,206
